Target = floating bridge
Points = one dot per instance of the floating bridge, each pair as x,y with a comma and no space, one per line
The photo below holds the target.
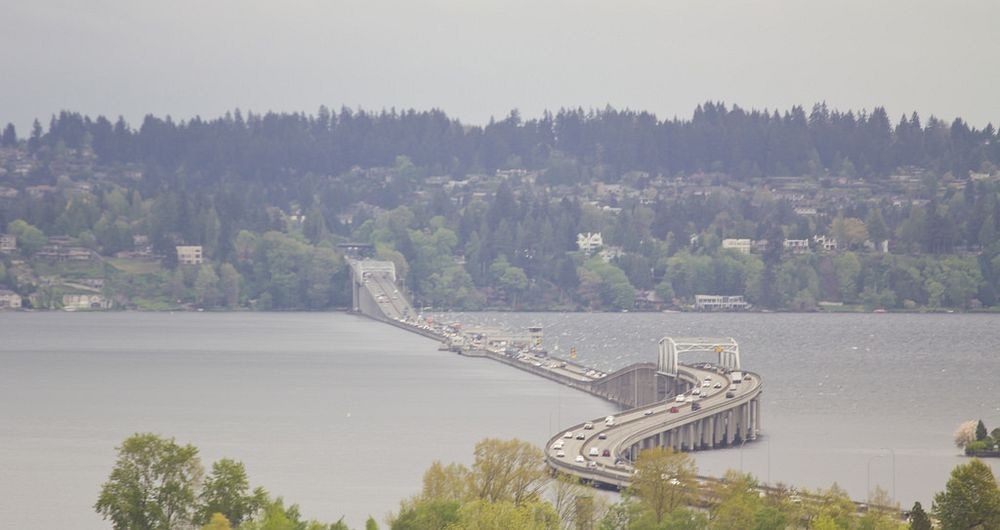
688,407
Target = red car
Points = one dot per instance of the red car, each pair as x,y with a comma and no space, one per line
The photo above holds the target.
674,409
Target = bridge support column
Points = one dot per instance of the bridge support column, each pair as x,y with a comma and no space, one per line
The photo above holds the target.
757,424
746,421
730,426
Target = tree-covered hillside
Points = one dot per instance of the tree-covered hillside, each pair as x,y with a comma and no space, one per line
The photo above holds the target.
830,206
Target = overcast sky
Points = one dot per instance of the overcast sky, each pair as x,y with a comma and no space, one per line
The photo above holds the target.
480,58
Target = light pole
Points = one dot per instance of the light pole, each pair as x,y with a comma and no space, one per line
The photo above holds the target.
893,453
868,492
741,454
768,438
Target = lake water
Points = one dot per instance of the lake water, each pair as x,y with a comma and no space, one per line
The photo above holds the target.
342,415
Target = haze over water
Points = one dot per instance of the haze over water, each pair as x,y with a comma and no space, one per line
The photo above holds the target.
342,414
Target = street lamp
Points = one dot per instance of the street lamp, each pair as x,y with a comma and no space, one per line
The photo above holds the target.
868,492
893,453
741,454
768,438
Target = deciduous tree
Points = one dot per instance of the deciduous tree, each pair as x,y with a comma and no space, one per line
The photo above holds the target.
971,499
226,491
153,484
664,480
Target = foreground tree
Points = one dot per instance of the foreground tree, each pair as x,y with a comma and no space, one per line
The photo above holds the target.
508,470
971,499
152,486
227,492
664,480
918,518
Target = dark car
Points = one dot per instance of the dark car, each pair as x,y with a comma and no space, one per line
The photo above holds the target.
696,406
606,452
730,394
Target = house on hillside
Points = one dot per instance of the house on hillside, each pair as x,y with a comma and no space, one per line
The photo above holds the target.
189,255
715,302
740,245
589,242
9,299
73,302
8,243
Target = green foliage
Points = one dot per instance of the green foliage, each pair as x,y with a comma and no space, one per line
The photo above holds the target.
226,491
29,238
605,285
971,498
425,514
981,432
507,470
151,468
217,522
664,480
919,520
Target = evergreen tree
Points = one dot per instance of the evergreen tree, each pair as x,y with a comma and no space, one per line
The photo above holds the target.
9,138
918,518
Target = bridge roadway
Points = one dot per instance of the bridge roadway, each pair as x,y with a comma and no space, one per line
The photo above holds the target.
720,421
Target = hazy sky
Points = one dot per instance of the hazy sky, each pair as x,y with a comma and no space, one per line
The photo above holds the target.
480,58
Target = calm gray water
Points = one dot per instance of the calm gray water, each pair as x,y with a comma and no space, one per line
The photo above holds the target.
342,415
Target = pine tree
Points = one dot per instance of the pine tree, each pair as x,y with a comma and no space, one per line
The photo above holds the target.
918,518
9,138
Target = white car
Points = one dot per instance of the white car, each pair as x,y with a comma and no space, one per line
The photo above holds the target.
706,383
594,452
679,398
579,459
569,434
560,453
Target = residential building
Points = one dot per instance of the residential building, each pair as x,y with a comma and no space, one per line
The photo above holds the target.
827,244
714,302
796,246
189,255
9,299
589,242
8,243
740,245
73,302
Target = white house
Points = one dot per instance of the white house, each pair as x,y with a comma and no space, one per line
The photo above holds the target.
9,299
589,242
740,245
189,255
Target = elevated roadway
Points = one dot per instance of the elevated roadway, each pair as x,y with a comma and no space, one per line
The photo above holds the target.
707,420
687,407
